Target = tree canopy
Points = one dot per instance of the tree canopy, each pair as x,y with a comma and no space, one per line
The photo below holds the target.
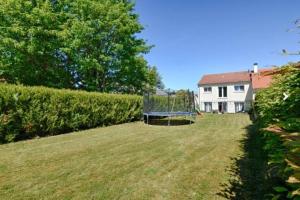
86,44
155,79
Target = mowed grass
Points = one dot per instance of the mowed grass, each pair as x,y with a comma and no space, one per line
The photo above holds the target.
128,161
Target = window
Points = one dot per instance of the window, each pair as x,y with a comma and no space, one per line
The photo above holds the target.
207,106
207,89
239,106
239,88
222,91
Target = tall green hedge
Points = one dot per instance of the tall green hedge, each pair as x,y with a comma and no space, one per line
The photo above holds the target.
271,106
280,119
28,112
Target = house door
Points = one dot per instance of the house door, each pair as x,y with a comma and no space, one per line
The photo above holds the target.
208,106
222,106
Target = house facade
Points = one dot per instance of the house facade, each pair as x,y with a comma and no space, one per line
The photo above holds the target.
230,92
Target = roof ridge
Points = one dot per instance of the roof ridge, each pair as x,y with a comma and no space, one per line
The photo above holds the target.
245,71
232,77
228,77
227,73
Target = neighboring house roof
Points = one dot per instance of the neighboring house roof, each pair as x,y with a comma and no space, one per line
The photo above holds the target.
279,70
262,79
160,92
232,77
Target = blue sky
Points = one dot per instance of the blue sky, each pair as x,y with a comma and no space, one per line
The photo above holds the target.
196,37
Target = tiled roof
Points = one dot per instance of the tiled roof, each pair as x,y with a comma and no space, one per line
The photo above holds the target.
261,79
232,77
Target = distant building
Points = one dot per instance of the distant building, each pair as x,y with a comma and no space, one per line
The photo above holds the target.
231,92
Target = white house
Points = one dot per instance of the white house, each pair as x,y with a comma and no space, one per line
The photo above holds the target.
230,92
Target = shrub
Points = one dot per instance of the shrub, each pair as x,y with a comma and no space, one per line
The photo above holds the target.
282,142
283,169
270,103
28,112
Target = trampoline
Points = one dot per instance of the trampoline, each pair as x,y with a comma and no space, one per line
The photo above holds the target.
167,104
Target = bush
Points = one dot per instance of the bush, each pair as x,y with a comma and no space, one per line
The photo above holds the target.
282,142
270,103
28,112
283,170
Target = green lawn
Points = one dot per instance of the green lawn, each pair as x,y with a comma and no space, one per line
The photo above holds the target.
128,161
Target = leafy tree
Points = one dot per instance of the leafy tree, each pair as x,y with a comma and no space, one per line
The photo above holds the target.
103,46
155,79
87,44
159,81
30,44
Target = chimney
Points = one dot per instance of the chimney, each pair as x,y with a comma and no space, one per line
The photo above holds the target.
255,68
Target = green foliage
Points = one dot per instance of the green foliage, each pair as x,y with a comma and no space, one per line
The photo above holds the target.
103,47
28,112
276,153
282,148
90,44
30,43
280,189
281,152
270,103
155,79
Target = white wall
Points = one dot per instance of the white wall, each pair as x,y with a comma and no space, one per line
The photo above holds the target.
232,96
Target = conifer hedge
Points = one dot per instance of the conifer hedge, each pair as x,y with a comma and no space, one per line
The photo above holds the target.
28,112
279,120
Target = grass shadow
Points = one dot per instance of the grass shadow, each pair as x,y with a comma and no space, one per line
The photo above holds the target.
249,178
164,121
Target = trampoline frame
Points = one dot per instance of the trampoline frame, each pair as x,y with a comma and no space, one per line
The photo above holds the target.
170,113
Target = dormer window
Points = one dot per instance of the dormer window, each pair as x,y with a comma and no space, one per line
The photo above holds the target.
239,88
207,89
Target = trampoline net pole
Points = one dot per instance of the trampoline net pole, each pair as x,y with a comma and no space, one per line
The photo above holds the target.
193,98
147,119
184,102
168,101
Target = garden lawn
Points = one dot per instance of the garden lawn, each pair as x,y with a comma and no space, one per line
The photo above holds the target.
128,161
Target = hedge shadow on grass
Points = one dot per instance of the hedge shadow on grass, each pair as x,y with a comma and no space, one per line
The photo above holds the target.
248,172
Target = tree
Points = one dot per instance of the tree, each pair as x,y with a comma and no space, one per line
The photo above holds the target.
284,51
155,79
86,44
30,44
103,46
159,82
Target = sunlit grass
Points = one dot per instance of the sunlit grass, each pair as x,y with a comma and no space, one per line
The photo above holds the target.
129,161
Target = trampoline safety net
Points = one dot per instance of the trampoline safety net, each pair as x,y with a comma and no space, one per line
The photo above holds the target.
167,103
